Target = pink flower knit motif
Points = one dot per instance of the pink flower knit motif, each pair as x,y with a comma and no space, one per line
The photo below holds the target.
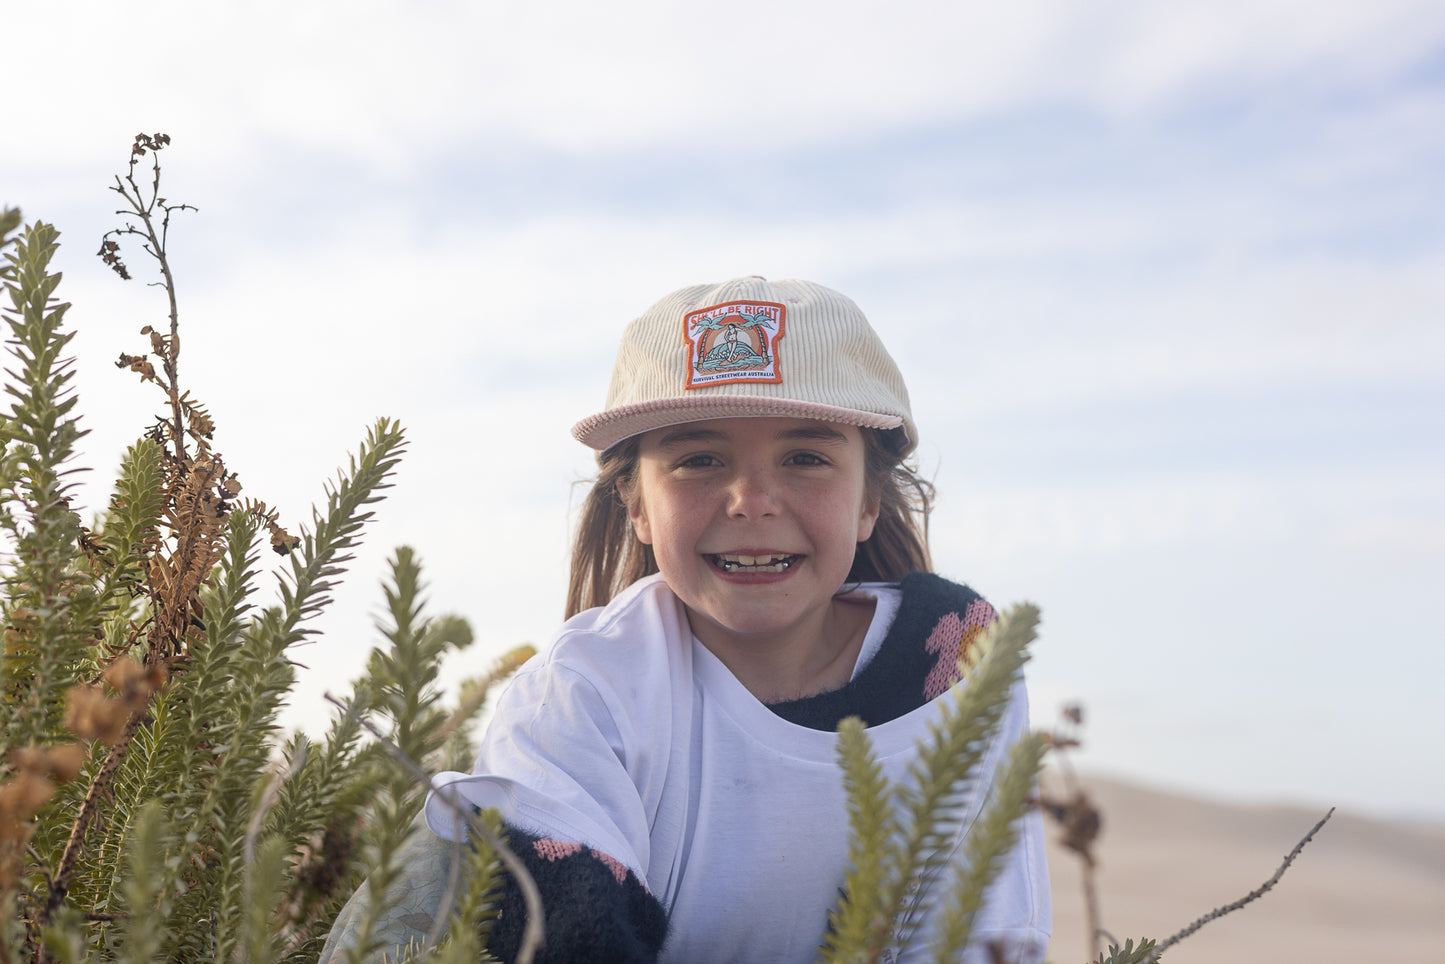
557,849
951,638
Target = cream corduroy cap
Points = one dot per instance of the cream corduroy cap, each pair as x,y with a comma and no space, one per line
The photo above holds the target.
752,347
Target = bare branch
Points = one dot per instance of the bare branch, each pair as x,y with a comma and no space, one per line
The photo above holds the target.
1255,894
89,810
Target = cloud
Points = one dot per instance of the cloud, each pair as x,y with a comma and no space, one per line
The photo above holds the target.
1165,280
393,82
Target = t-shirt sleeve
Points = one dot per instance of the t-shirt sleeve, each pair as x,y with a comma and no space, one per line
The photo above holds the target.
553,762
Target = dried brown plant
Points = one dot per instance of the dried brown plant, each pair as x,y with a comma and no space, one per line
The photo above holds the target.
198,495
1075,813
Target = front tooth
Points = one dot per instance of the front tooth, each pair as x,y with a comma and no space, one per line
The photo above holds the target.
748,560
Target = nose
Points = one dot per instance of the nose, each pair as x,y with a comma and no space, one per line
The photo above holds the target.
750,495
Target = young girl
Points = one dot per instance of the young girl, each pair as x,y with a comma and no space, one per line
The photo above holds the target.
751,567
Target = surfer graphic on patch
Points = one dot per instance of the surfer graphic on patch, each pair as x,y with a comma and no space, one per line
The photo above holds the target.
732,345
734,342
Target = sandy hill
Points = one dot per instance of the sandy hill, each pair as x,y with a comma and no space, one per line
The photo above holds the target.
1362,890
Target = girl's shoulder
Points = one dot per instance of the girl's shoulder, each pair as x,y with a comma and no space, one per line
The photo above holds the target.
937,624
641,617
636,605
933,622
926,606
642,634
931,604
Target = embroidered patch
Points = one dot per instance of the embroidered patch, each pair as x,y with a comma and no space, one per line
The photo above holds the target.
734,342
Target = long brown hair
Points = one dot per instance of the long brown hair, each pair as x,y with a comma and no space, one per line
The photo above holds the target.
607,557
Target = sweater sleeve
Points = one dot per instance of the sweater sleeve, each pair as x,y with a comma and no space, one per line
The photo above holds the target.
595,909
563,771
554,760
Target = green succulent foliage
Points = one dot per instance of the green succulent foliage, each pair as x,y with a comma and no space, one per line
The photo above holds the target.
49,607
1144,953
142,886
989,841
215,837
402,685
900,835
474,913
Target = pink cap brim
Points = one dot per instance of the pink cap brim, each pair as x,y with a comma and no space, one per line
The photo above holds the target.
606,429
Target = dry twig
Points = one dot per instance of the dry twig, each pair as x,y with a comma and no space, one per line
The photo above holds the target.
1081,822
1255,894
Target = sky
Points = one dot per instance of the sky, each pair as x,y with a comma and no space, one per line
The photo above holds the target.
1166,281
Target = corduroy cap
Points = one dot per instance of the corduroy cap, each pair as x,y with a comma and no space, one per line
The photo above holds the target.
752,347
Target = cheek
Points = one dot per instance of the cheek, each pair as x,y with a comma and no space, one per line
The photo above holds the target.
670,529
654,512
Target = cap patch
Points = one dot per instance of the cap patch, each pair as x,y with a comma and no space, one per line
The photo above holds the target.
734,342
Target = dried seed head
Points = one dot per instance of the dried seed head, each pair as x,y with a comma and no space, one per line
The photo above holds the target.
91,716
65,761
61,762
19,799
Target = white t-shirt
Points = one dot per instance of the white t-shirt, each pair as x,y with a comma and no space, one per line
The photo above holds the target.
629,736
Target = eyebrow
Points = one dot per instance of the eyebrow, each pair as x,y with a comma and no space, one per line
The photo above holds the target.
689,436
819,433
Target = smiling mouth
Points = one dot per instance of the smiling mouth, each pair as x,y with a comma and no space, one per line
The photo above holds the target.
739,563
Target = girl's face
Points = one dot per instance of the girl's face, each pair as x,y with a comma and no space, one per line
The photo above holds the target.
754,523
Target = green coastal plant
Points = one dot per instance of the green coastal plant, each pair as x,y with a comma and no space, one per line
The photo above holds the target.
902,835
150,808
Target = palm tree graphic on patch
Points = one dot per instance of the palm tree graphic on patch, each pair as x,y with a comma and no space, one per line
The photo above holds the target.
732,342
